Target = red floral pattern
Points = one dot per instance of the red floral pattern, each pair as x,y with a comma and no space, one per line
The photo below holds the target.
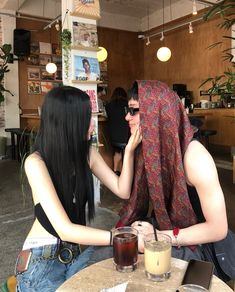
159,172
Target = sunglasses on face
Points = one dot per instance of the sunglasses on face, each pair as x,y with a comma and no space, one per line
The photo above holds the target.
131,110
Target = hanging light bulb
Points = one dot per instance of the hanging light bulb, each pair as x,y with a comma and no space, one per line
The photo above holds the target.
51,68
194,7
190,27
163,54
148,41
102,54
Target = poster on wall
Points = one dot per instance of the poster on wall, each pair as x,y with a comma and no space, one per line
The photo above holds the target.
86,68
33,73
84,34
93,98
87,8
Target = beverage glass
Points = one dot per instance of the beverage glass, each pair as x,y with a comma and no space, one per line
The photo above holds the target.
157,257
125,248
191,288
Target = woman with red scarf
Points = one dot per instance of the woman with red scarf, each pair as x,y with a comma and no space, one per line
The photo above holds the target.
175,176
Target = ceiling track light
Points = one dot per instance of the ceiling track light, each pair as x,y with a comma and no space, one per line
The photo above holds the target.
148,41
190,27
194,8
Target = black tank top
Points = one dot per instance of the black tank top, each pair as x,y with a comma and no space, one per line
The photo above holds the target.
44,221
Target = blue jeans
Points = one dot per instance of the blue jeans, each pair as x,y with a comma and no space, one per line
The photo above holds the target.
45,272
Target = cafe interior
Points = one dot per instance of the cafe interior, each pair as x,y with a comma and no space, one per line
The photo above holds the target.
132,32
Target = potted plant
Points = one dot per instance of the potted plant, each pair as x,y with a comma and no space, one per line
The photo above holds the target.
66,46
223,85
4,60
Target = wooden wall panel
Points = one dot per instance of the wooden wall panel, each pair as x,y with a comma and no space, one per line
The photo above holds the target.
191,62
29,103
125,57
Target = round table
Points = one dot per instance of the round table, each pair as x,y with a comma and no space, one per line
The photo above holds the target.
103,275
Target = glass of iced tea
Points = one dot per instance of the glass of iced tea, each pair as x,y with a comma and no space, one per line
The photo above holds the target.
125,248
157,256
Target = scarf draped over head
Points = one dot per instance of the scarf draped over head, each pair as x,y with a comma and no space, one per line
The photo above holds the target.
159,172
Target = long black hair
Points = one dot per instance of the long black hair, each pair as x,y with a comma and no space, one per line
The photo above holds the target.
62,141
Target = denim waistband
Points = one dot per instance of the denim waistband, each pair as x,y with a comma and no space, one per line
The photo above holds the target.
63,250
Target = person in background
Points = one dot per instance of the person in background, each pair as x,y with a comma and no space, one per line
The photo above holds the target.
117,126
101,104
59,171
174,175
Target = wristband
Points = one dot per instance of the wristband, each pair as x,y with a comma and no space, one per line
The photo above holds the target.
176,232
111,238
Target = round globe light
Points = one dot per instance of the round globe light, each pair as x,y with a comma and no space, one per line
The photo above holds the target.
51,68
164,54
102,54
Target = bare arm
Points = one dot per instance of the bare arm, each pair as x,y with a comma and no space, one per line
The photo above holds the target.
121,186
45,194
202,174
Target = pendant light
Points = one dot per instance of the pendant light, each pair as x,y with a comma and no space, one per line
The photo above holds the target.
102,54
163,53
51,66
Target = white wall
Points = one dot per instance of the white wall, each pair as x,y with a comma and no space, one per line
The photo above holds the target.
11,80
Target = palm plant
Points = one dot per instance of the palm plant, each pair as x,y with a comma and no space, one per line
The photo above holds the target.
4,59
224,84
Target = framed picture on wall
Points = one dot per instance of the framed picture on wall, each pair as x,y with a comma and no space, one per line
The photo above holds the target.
46,86
33,73
84,34
56,50
45,48
47,76
34,48
33,60
34,87
86,68
57,60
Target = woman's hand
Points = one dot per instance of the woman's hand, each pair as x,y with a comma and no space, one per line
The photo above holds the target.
134,141
143,228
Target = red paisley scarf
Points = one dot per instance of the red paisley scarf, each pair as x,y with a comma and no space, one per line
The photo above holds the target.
159,173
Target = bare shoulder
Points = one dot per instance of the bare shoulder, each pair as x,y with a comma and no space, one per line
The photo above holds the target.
32,161
198,163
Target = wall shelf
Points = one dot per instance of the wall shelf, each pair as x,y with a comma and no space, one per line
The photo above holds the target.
86,81
93,49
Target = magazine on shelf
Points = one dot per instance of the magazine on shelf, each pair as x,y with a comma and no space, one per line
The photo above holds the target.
84,34
87,8
93,98
86,68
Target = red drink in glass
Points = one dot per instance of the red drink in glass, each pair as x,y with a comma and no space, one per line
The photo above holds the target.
125,248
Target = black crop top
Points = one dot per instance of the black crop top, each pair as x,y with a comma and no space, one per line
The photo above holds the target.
44,221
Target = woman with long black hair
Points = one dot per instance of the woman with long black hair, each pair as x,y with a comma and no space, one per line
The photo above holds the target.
59,171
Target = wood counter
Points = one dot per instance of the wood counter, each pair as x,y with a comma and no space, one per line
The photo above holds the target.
223,121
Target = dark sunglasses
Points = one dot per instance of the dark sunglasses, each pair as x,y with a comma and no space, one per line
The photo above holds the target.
131,110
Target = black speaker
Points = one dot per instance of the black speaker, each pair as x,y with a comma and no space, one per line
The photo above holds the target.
21,42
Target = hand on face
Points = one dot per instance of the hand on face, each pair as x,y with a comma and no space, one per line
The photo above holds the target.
134,140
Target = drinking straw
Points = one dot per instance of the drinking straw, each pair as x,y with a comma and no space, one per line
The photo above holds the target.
154,230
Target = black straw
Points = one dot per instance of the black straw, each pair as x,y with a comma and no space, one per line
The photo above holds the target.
154,230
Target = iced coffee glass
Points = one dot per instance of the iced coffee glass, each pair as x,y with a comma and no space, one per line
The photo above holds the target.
125,249
157,257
